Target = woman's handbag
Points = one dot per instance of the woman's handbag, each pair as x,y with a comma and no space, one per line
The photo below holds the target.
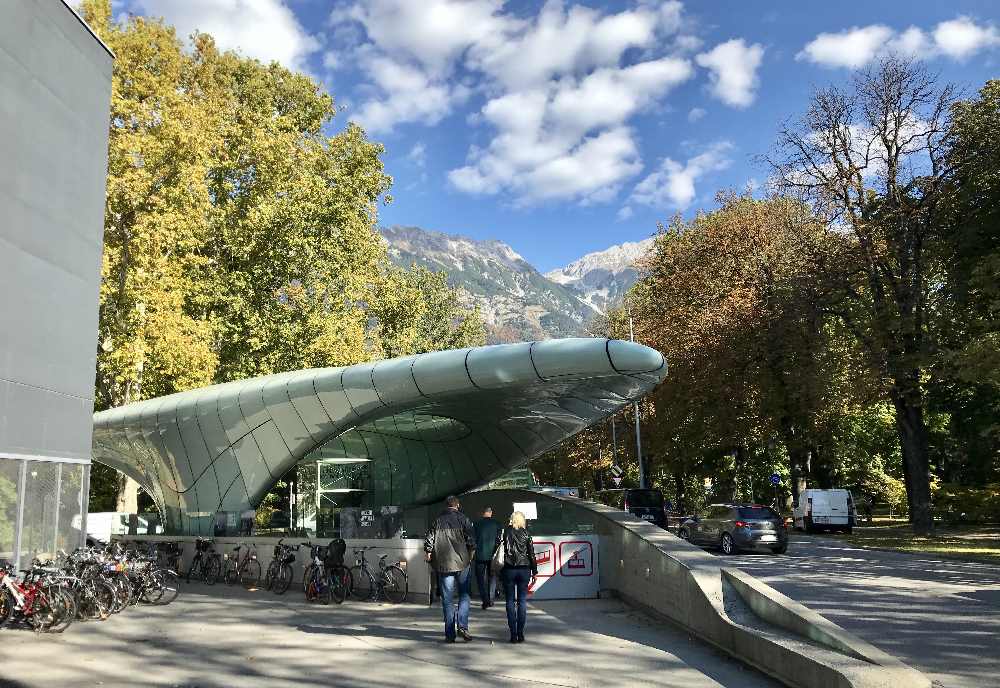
499,555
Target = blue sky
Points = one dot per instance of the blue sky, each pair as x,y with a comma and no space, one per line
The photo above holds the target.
566,127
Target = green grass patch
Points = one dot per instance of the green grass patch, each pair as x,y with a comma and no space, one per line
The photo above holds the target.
975,543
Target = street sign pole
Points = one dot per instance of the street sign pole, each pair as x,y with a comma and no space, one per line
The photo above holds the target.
638,436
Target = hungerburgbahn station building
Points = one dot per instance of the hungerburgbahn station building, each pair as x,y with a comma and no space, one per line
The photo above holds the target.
396,433
401,432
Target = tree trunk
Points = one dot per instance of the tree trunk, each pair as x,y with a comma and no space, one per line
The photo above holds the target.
679,490
128,495
913,444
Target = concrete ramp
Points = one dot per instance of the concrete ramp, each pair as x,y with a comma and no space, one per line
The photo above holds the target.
662,574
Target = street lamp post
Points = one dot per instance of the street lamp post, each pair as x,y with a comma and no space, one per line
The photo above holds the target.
638,436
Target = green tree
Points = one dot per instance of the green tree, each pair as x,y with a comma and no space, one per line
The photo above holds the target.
416,311
873,160
239,234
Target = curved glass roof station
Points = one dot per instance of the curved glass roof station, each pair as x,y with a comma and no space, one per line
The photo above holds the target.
430,425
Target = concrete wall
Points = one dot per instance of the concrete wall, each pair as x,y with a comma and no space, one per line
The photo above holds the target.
55,93
655,570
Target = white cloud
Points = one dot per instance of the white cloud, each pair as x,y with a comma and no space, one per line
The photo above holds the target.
733,66
589,172
547,137
331,60
265,29
673,185
852,48
561,85
570,40
411,95
432,33
911,43
418,154
696,114
961,38
625,213
958,39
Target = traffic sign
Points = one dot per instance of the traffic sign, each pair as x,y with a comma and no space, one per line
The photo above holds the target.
617,474
775,479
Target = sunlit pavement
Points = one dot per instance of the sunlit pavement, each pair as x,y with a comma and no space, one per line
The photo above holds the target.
230,637
940,616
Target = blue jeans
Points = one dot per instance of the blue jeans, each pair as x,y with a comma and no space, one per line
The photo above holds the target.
485,579
447,582
515,584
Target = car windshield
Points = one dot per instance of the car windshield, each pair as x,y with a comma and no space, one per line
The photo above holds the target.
757,512
645,498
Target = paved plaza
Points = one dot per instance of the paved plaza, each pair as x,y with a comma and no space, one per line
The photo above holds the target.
230,637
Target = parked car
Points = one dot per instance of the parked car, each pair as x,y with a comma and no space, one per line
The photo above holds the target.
645,504
735,527
824,510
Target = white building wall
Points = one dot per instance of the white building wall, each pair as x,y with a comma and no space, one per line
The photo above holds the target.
55,92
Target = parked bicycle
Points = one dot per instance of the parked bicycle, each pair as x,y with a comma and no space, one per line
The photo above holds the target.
246,570
37,599
389,582
326,578
207,564
279,571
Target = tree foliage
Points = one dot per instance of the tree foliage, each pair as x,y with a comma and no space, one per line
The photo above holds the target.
239,232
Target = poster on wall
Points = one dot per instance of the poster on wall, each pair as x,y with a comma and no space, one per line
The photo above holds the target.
529,509
567,567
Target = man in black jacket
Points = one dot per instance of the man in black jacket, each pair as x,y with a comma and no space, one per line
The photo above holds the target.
450,546
487,539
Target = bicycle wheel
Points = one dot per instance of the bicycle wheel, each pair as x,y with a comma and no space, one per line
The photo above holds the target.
65,610
283,580
362,584
232,572
326,589
312,587
166,581
307,576
213,569
250,577
6,606
340,584
194,569
104,599
272,575
395,585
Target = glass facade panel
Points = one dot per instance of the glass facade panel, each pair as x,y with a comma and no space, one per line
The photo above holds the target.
71,507
9,478
41,506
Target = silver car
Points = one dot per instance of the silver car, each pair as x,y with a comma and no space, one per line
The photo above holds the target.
735,527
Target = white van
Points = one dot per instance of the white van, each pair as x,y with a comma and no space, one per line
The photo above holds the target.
824,510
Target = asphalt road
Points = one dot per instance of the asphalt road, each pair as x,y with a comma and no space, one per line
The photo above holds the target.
939,616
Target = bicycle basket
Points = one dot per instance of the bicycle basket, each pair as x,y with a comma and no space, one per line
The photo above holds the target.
335,552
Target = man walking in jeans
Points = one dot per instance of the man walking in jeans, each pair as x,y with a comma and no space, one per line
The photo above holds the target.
450,546
487,538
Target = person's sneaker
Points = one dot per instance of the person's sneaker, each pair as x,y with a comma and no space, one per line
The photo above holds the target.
464,632
486,605
513,639
520,638
449,640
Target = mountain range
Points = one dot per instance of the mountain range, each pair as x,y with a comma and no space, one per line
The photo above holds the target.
518,303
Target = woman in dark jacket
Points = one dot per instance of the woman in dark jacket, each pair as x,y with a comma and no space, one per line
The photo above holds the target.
518,569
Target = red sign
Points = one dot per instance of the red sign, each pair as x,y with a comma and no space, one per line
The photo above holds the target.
577,558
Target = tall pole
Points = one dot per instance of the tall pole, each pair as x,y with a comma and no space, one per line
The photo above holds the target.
614,442
638,437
